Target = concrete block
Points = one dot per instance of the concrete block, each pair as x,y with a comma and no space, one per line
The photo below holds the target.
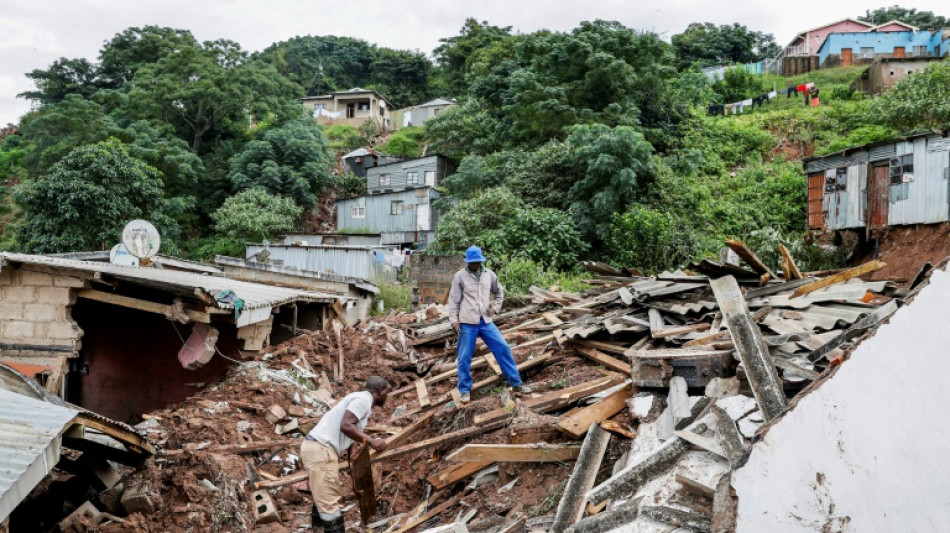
200,347
41,312
11,311
111,499
265,512
275,414
65,281
18,293
105,475
87,511
35,279
289,427
64,330
137,499
18,330
55,295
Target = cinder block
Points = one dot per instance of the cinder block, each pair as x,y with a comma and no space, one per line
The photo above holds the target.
35,279
19,293
18,330
66,281
11,311
265,512
63,330
137,499
55,296
87,511
42,312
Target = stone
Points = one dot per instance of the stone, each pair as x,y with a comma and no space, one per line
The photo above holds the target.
265,512
288,427
137,499
87,511
275,414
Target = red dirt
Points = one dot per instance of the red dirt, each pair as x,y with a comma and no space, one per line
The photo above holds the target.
905,249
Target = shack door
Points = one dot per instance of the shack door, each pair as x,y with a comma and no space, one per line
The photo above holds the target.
845,57
898,52
816,188
877,196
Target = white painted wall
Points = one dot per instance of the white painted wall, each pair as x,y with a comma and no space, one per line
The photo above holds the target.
869,451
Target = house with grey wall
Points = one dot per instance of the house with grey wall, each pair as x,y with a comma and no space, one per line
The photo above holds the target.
398,201
360,160
418,115
890,183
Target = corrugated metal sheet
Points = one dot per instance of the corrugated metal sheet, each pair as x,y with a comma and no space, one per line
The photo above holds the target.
354,261
333,239
378,208
255,295
29,445
924,199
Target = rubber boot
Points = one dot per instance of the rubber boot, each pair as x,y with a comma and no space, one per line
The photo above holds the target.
334,526
316,523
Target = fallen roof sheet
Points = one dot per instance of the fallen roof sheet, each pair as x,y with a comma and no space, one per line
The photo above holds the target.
255,295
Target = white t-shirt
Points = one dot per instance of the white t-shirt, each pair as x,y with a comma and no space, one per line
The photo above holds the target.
327,431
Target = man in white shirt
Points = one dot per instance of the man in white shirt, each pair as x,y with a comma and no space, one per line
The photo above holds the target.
340,429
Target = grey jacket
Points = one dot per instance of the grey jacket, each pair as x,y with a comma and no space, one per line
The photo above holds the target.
471,300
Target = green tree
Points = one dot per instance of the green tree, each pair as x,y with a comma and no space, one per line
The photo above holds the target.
406,142
464,129
920,101
402,76
123,55
453,56
924,20
210,92
616,164
64,77
86,199
475,221
292,160
737,84
710,45
255,215
545,236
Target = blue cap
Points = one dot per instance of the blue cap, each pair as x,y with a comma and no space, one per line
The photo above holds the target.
474,255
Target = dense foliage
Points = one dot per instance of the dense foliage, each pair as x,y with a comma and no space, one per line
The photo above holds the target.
924,20
710,45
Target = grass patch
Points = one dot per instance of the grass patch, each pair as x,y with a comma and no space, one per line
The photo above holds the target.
395,296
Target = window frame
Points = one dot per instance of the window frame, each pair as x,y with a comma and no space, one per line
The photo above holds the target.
385,180
412,178
397,207
357,211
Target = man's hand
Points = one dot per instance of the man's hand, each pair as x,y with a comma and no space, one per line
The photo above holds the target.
456,326
490,312
377,444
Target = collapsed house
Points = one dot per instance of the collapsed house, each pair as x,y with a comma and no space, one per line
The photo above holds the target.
660,402
106,337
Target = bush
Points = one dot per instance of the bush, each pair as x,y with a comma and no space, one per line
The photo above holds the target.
546,236
518,275
343,139
255,215
652,240
395,296
406,142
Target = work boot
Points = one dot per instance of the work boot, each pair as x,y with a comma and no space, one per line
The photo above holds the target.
464,399
334,526
316,523
523,389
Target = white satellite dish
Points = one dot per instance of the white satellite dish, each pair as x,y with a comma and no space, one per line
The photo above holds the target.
120,256
141,239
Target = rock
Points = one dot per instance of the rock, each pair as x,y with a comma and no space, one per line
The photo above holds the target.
275,414
288,427
244,426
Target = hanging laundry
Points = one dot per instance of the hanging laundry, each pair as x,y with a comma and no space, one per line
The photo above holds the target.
772,95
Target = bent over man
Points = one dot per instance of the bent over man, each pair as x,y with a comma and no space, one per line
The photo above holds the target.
476,297
340,429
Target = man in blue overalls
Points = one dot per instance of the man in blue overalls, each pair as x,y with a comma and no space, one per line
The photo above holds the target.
476,297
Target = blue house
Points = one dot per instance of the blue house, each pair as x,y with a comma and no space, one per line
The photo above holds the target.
856,48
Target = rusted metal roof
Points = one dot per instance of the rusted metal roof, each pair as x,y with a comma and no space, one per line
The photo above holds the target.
186,284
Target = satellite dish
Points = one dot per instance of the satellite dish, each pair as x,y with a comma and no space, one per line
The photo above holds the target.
120,256
141,239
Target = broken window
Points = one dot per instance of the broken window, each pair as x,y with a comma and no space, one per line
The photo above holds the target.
412,178
902,169
396,207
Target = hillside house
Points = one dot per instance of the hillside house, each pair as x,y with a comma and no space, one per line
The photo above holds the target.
884,73
801,54
398,201
846,49
351,108
417,115
360,160
897,182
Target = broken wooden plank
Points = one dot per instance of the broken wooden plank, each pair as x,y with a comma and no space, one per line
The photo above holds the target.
422,392
580,422
515,453
851,273
789,268
679,353
601,358
553,400
749,257
399,438
432,513
492,363
753,352
663,333
707,339
618,429
552,318
571,507
455,473
448,438
337,332
143,305
361,470
609,347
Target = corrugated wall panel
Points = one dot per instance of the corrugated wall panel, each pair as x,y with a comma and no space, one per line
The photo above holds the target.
855,217
937,182
880,153
378,217
345,261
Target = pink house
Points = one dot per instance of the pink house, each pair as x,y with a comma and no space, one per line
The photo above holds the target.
808,42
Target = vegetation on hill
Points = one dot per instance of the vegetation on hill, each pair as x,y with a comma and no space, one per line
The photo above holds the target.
588,144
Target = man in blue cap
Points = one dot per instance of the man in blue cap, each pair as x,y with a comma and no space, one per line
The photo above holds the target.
475,298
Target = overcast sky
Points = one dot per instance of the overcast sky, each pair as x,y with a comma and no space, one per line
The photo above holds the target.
33,33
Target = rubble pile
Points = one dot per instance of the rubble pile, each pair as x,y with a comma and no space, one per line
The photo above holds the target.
648,391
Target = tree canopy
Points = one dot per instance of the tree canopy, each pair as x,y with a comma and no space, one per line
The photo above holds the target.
706,44
924,20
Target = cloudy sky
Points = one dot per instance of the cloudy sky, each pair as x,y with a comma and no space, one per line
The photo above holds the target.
33,33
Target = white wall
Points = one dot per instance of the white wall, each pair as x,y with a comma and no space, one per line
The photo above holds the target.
869,451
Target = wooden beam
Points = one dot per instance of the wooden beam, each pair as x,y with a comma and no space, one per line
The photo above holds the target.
609,347
515,453
490,359
580,422
338,368
749,257
141,305
399,438
679,330
422,392
361,470
571,507
857,271
434,512
442,439
455,473
601,358
552,318
553,400
789,268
